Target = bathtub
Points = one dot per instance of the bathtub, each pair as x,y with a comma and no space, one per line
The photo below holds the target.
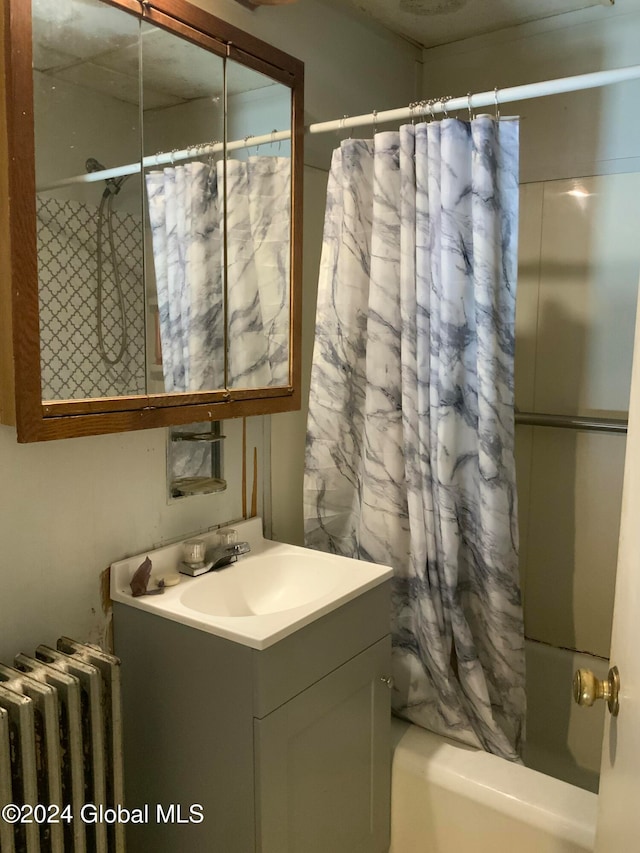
448,798
563,739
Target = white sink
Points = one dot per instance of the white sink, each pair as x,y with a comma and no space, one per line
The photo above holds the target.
266,595
264,583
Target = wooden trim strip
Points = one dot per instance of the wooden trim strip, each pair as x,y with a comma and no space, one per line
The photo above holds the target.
67,426
7,376
195,17
113,405
297,224
22,207
208,42
249,61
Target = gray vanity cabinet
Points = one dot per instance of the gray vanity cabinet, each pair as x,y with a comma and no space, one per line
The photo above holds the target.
286,749
322,763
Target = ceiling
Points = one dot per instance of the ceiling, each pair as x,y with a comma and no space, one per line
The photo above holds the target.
96,46
434,22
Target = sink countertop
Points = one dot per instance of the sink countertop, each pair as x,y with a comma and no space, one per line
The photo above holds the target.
199,602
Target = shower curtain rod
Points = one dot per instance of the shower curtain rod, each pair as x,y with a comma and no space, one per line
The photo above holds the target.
495,97
579,422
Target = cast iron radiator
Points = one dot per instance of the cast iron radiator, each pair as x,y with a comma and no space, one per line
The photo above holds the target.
61,751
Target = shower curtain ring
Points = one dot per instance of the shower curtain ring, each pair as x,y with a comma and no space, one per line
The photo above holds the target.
444,101
374,114
471,116
495,98
342,123
273,141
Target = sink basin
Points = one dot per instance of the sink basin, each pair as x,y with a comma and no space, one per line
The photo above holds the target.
268,583
265,596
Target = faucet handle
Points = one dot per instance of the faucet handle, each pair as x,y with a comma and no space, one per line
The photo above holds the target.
227,536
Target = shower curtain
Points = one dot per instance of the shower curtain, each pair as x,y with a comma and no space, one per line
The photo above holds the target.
187,216
258,252
409,455
185,227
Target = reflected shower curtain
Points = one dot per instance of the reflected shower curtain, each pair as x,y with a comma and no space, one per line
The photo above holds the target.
186,213
258,253
410,442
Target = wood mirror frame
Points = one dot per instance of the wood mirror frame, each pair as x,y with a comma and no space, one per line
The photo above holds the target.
21,402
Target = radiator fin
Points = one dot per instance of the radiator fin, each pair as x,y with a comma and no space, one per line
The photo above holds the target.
61,744
47,743
70,737
6,831
109,668
22,752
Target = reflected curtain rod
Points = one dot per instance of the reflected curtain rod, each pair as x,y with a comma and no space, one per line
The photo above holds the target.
561,85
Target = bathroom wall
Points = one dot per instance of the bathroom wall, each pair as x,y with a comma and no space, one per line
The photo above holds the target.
582,133
70,508
580,266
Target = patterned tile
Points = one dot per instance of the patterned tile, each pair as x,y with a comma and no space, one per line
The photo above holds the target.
71,364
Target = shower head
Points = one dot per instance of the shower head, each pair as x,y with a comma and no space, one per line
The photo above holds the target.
113,184
93,165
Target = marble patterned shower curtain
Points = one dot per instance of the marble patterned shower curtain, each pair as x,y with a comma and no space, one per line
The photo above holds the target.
186,214
258,252
410,442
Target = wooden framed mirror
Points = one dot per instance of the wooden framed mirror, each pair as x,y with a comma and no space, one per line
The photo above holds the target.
151,213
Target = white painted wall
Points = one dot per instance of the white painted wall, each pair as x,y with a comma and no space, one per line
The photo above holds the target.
70,508
583,133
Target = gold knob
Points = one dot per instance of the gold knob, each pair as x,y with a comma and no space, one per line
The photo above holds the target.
587,689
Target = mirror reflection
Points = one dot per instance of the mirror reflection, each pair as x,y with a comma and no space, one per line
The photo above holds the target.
142,287
91,290
184,248
259,230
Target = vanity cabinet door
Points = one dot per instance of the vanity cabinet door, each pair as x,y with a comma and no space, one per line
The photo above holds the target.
323,763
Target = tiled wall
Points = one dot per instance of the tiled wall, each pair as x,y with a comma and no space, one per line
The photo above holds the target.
71,360
578,284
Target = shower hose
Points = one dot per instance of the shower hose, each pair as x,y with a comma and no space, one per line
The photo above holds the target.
107,198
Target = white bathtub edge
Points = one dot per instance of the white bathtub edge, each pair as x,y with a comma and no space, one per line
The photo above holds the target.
524,794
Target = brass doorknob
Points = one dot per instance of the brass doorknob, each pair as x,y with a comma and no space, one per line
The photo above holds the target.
587,688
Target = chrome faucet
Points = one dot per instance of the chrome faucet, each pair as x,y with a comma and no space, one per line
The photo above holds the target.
226,554
223,554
